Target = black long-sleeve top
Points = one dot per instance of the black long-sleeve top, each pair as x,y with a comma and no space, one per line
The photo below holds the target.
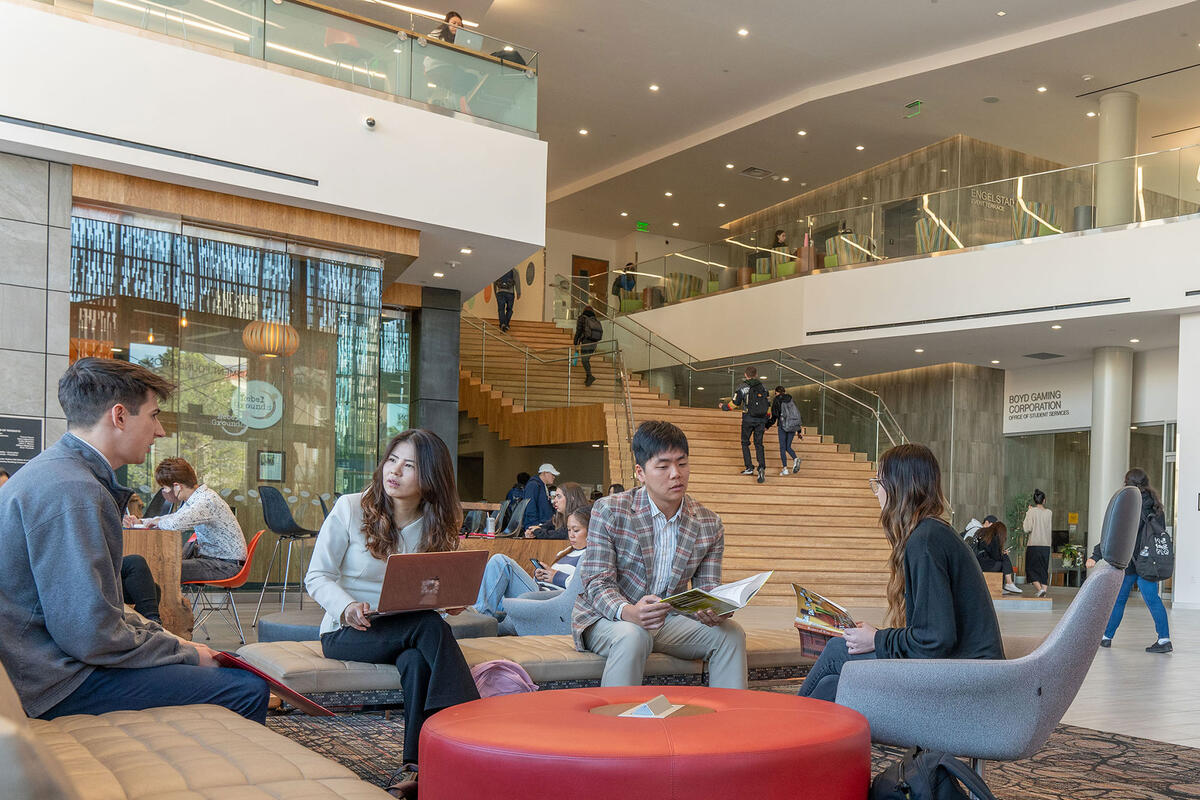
776,407
947,607
989,554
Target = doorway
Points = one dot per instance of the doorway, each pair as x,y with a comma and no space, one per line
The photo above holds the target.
591,276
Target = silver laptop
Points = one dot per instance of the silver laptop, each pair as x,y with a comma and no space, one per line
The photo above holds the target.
471,41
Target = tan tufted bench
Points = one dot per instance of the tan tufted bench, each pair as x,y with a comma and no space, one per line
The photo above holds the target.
172,753
552,662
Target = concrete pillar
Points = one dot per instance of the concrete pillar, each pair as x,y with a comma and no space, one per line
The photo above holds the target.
1112,410
435,365
1186,592
1116,183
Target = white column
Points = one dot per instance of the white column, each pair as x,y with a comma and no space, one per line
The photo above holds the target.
1116,183
1112,409
1186,585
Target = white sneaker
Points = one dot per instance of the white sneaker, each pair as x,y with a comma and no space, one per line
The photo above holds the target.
784,471
796,466
1013,588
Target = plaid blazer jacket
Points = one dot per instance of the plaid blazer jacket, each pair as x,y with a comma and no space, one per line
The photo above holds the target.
619,560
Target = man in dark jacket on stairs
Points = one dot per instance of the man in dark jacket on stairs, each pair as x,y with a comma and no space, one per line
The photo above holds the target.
754,400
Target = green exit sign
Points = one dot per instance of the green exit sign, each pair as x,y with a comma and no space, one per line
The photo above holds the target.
642,226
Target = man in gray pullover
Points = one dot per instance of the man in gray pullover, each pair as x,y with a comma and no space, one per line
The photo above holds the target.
65,638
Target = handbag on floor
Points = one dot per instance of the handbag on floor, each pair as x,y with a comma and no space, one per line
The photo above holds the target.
926,775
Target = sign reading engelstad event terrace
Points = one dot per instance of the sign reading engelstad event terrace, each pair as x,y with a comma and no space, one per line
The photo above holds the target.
1049,398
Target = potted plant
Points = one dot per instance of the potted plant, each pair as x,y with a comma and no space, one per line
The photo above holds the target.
1014,515
1070,556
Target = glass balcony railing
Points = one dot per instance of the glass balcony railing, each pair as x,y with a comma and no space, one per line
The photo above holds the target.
477,74
1131,190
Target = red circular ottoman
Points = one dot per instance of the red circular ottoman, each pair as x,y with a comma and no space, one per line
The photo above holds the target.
550,744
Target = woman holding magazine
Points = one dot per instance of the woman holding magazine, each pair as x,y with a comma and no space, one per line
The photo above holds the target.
410,506
938,602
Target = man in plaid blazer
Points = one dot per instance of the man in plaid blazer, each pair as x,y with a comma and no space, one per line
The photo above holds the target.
644,545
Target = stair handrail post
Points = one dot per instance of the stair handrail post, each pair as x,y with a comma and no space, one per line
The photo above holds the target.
483,352
570,356
525,398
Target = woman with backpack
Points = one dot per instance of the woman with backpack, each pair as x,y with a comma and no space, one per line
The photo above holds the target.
938,602
784,412
1153,519
588,331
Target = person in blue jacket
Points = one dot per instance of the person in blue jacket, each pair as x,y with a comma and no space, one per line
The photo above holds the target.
539,510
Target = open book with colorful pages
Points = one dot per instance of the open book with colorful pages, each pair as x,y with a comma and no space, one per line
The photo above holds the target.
819,615
280,690
722,599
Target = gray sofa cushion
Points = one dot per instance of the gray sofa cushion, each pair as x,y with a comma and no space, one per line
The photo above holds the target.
304,626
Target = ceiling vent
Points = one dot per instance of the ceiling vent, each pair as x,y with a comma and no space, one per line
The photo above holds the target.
1043,356
758,173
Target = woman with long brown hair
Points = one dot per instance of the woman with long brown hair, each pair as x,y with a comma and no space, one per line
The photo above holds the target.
938,603
411,506
991,550
569,497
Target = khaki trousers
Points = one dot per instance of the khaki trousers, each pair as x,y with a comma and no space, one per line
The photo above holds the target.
625,647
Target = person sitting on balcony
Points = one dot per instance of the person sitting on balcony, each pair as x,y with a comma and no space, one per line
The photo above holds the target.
619,613
539,510
938,602
65,639
588,331
569,497
451,79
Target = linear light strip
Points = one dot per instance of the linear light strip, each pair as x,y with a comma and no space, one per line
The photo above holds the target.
1141,195
195,23
1025,208
936,219
323,60
780,253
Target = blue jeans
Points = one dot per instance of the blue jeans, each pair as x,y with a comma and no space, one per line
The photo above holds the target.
785,445
502,578
1149,590
504,308
113,689
822,680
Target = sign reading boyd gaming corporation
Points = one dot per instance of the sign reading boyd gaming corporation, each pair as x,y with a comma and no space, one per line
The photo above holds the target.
1048,398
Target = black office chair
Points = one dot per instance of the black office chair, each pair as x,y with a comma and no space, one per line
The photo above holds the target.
280,522
157,506
502,514
472,522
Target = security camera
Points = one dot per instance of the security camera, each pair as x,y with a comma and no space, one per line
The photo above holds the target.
369,122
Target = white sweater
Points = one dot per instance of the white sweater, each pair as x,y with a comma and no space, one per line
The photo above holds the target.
342,570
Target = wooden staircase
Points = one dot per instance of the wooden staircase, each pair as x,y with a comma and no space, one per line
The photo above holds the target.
818,527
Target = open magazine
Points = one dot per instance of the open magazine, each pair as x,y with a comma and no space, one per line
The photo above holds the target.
819,615
723,599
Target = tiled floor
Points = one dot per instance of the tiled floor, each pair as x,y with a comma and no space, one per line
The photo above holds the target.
1126,691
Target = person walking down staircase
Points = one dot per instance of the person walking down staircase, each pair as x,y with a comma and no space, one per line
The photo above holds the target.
588,331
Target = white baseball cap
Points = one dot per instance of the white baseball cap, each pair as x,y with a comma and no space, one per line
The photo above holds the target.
548,468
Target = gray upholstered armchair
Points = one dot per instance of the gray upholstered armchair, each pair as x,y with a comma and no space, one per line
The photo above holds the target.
541,613
999,710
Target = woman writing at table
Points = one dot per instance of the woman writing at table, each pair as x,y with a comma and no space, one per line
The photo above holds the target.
938,602
411,506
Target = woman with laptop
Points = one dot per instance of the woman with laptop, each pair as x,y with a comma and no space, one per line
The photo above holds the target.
410,506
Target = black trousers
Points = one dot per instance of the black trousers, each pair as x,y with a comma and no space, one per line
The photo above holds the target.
585,358
433,673
504,308
822,680
139,588
1037,564
755,425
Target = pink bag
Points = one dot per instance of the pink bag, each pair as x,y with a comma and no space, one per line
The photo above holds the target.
493,678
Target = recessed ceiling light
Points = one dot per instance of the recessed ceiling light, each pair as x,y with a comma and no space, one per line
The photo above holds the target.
994,361
802,183
595,444
837,363
729,166
674,224
624,213
1056,327
1134,341
1001,13
743,32
785,179
919,350
1091,113
583,132
668,194
945,170
802,133
654,87
1041,88
439,274
466,251
699,388
720,205
859,147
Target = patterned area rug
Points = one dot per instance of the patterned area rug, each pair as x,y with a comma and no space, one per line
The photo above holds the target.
1075,764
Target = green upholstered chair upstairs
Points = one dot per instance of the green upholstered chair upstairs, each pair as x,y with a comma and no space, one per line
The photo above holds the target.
630,300
842,246
933,238
1040,220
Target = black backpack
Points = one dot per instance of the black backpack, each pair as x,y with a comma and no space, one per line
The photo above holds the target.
758,402
1155,557
926,775
593,331
506,282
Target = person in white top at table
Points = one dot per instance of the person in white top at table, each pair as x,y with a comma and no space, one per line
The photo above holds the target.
220,547
411,506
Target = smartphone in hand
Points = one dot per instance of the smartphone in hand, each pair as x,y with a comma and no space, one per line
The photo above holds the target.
537,564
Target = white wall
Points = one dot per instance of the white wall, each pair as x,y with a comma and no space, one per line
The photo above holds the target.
416,168
560,246
1156,386
1152,265
1186,585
